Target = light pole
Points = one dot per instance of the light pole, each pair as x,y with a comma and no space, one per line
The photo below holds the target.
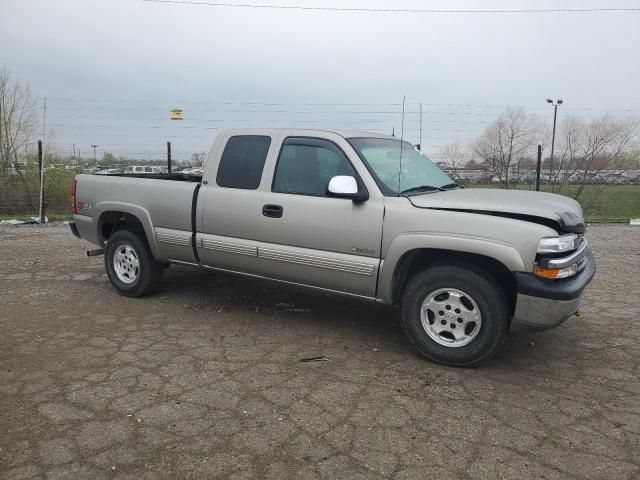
95,161
553,136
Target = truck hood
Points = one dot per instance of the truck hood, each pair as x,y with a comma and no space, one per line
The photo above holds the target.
559,212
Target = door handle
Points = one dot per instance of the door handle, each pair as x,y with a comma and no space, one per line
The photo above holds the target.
274,211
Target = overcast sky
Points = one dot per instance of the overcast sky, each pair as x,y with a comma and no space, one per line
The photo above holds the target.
112,69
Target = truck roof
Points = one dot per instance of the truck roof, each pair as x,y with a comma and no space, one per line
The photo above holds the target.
308,131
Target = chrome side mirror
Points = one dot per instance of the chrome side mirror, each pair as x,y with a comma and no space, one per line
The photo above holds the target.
345,186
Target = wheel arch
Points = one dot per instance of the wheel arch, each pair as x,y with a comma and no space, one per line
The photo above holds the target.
113,217
410,257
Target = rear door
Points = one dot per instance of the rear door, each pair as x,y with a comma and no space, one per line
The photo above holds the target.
309,238
231,204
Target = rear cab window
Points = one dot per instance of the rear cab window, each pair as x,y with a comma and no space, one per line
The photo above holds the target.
242,161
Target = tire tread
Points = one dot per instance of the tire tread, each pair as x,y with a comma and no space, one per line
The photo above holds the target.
492,297
151,269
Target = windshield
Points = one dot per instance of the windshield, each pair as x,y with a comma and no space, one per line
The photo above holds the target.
383,158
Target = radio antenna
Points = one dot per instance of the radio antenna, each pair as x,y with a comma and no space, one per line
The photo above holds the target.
401,142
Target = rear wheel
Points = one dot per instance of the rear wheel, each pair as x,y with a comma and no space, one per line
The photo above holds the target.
130,265
455,315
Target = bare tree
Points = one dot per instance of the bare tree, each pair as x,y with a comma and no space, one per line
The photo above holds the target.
630,159
507,142
588,148
456,158
198,159
17,109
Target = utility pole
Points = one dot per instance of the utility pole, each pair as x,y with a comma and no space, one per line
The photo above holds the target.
41,166
168,157
538,168
1,147
95,160
42,158
420,141
553,136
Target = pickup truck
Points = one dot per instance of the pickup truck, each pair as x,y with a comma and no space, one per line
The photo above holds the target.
354,213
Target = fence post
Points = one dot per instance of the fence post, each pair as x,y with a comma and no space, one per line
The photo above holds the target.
168,157
538,168
41,167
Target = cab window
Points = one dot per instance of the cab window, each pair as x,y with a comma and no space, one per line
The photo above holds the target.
306,165
242,161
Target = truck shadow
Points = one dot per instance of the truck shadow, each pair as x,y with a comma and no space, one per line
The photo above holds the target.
260,302
210,290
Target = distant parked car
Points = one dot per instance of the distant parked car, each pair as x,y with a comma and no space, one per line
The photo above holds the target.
139,169
108,171
193,171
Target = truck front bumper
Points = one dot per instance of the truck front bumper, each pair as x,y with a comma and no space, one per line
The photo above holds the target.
543,304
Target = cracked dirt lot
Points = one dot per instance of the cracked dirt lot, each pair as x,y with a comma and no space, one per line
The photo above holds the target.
204,380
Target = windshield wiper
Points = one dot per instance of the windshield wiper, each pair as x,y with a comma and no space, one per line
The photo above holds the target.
450,186
422,188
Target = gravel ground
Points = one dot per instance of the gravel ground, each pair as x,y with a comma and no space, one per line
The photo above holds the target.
204,379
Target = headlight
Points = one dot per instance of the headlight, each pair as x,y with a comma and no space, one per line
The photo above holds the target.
563,243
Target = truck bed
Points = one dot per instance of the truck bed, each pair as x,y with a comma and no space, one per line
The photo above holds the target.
156,202
175,176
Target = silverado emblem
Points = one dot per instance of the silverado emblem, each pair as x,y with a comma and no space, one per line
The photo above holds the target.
368,251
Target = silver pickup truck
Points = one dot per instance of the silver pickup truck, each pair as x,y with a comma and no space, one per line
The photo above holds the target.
353,213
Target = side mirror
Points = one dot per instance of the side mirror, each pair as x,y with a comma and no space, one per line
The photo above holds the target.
345,186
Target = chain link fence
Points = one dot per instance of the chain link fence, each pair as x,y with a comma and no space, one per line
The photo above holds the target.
20,196
600,203
609,196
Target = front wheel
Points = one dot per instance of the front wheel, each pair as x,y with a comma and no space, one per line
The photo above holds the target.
130,264
455,315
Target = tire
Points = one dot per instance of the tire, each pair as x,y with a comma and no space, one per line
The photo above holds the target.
455,315
130,264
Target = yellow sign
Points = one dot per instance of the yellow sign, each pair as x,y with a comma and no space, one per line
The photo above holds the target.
176,114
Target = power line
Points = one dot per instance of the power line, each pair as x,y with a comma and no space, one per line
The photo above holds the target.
332,123
297,112
150,152
464,109
392,10
98,135
321,104
208,102
257,120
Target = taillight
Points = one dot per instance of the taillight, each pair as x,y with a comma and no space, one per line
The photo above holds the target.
74,209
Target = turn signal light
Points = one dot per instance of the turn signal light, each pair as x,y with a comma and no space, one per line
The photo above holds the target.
556,273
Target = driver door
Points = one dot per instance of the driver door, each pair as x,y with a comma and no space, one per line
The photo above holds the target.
310,238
